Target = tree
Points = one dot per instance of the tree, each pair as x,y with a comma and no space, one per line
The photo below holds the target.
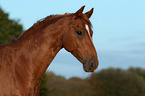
59,86
71,87
117,82
8,28
43,86
138,71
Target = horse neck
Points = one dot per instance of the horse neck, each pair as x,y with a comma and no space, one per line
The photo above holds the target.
39,47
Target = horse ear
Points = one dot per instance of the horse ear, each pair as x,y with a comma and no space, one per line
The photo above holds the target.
79,12
89,13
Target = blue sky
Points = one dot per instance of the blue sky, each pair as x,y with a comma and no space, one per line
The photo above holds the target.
118,25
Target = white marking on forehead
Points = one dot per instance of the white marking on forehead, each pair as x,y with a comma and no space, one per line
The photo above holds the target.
88,30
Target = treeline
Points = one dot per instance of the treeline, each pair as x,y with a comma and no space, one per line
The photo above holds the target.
9,28
107,82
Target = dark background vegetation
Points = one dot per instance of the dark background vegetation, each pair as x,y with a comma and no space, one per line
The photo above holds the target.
107,82
8,28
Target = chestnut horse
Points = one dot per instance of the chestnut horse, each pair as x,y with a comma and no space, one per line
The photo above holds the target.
24,61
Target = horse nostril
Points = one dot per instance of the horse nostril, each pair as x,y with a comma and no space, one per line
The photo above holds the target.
92,64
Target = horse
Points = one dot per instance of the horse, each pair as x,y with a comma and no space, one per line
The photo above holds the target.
24,61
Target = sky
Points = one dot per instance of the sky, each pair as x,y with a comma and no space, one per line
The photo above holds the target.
118,26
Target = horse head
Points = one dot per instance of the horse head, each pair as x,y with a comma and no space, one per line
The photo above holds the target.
77,39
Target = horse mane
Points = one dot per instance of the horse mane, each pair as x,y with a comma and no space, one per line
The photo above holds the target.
44,22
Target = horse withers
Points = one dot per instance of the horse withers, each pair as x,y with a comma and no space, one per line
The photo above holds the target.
24,60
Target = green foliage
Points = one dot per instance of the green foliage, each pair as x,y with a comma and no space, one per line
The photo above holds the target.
108,82
117,82
71,87
8,28
43,88
59,86
138,71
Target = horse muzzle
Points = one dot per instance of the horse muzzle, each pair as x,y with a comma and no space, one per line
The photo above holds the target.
90,65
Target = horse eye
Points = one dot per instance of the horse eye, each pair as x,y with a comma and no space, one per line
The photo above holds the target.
79,32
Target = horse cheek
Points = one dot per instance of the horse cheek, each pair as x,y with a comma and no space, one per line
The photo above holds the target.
69,43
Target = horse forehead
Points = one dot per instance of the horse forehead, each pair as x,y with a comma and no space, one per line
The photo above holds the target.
87,28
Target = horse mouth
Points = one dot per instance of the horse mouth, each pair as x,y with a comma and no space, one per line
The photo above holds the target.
90,66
